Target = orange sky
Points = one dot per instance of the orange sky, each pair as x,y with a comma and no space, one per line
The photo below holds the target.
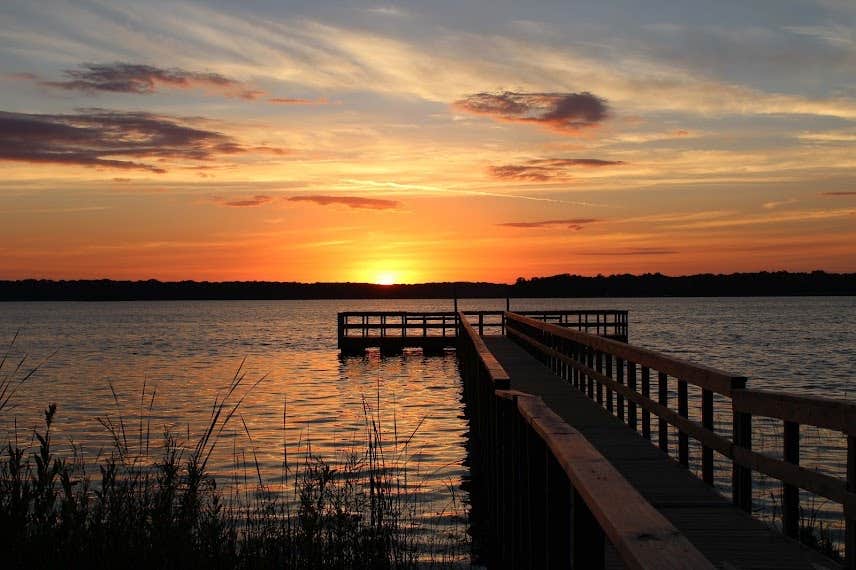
392,144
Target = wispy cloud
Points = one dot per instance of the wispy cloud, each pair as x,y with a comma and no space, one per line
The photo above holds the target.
570,223
838,193
297,101
350,201
563,112
777,203
254,201
631,252
112,139
547,169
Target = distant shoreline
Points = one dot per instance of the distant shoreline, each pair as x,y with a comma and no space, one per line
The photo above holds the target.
762,284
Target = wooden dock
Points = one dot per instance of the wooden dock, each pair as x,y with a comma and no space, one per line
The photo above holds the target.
435,331
573,465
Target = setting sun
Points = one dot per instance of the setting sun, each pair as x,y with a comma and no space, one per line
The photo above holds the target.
386,279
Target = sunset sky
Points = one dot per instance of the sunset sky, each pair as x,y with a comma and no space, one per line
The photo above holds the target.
425,141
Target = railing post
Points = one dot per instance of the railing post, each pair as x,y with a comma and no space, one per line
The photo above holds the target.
663,400
707,423
791,494
741,477
684,411
599,368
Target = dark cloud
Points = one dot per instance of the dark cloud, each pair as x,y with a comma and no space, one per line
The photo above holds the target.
633,251
120,77
350,201
838,193
257,200
111,139
564,112
570,223
142,79
547,169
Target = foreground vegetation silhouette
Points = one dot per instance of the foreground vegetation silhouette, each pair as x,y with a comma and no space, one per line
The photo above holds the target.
160,508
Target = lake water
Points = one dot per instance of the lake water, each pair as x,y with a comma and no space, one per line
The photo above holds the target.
190,351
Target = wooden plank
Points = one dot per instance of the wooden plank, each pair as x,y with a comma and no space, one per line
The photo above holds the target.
703,376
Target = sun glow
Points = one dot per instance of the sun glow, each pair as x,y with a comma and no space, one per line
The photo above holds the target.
386,279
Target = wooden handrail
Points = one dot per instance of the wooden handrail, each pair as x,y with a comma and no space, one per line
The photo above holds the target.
699,375
640,534
806,410
496,372
579,356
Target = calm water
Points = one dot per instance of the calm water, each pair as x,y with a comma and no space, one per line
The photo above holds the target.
190,350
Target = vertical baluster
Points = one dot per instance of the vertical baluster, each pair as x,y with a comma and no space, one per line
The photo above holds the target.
619,366
590,364
741,477
790,493
850,518
663,400
707,423
587,539
558,515
683,411
599,364
631,383
609,390
646,392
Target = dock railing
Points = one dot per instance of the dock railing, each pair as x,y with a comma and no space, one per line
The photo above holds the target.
553,499
621,377
609,323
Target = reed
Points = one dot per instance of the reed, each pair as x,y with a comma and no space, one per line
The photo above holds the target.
157,506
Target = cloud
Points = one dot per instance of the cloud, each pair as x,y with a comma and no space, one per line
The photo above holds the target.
350,201
564,112
632,252
838,193
257,200
297,101
547,169
141,79
111,139
571,223
777,203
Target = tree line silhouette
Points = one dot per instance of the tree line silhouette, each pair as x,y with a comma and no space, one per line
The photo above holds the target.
779,283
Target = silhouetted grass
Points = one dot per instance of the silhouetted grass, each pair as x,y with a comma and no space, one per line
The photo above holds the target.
160,508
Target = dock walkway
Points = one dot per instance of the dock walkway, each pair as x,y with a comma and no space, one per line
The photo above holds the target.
728,537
